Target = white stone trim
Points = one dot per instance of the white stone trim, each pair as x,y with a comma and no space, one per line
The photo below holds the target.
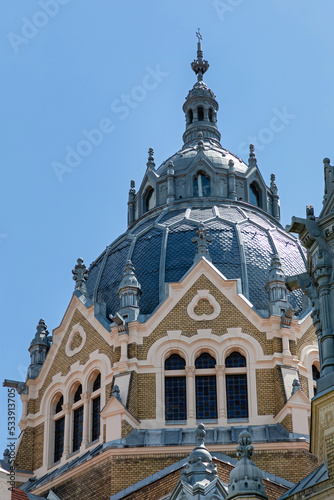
77,329
203,294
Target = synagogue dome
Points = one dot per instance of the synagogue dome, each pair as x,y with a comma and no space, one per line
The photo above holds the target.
202,183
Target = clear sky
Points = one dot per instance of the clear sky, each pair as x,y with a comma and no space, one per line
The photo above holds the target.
71,66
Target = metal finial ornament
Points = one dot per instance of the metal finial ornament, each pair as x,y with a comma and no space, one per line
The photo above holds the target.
252,157
150,163
200,435
245,448
80,276
202,239
199,65
198,34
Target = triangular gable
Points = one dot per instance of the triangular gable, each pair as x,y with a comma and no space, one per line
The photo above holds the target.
64,353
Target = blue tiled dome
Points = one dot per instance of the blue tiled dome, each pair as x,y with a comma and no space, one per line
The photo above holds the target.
244,238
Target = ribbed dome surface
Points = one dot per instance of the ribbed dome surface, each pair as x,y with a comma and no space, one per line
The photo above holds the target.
160,247
217,155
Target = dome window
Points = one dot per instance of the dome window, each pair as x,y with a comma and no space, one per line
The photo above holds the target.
210,115
255,194
190,116
202,186
149,199
200,114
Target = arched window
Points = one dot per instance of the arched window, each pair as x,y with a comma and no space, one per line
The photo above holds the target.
200,114
175,389
210,115
59,425
254,194
315,376
206,390
77,419
96,407
202,185
190,116
148,199
236,386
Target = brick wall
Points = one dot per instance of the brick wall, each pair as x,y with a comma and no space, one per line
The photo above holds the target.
287,422
265,389
30,453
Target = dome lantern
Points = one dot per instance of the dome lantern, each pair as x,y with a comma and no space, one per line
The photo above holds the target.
201,106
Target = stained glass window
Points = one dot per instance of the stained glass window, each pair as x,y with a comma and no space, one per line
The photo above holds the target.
77,395
175,362
59,405
237,402
95,418
206,397
235,360
97,383
77,427
175,398
59,438
205,360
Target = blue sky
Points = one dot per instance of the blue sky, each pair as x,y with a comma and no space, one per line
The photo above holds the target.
67,68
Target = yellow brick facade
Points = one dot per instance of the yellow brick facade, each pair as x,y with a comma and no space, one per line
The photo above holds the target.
30,453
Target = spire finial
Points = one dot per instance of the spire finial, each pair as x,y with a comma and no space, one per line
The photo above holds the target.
202,239
80,276
252,158
150,163
200,143
199,65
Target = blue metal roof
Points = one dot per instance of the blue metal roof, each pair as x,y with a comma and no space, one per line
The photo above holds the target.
243,240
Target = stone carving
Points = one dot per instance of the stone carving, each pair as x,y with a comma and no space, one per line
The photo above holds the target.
202,239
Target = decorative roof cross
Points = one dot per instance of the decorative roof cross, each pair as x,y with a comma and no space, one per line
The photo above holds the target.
150,163
202,239
80,276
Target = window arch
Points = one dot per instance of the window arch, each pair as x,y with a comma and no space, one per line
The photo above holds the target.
200,114
255,194
236,386
190,116
206,387
315,377
202,185
59,426
95,408
149,199
175,389
210,115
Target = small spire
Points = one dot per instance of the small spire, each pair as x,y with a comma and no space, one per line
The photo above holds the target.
199,65
132,189
276,287
252,158
200,143
80,276
273,185
150,163
116,393
38,349
246,478
129,292
202,240
295,386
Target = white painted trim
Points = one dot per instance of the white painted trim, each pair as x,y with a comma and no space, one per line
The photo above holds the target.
77,329
203,294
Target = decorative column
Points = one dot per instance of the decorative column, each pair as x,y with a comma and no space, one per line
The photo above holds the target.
220,374
170,183
232,190
67,407
191,400
85,397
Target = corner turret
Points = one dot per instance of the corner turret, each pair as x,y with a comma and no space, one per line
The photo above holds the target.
38,349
